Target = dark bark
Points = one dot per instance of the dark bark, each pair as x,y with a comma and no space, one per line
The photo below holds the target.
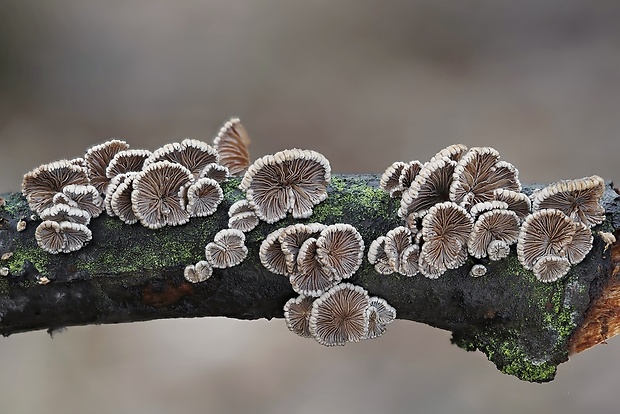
130,273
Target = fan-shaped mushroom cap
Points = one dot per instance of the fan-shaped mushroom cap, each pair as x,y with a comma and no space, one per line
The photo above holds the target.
397,240
243,221
241,206
478,270
498,249
297,315
199,272
485,206
478,173
271,254
216,172
409,173
109,191
518,202
158,195
203,197
227,249
445,230
311,277
78,161
232,145
120,200
431,186
131,160
493,225
65,237
339,315
85,197
579,199
428,269
378,314
409,261
544,232
390,180
340,248
97,159
64,212
453,152
378,257
192,154
580,245
293,237
291,180
550,268
41,184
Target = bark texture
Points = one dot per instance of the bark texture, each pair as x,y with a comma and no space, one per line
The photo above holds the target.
130,273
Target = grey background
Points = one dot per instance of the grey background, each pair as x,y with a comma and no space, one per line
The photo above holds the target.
365,83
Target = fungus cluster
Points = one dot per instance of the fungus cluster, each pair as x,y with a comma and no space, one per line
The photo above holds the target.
162,188
316,258
466,204
227,249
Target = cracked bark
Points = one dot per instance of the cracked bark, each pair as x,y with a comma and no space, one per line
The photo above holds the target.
130,273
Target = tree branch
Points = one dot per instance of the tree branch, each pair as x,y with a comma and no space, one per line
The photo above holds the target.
130,273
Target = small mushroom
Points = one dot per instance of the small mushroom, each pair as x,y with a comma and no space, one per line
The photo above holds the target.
227,249
544,232
120,202
498,250
311,277
431,186
97,159
21,225
232,145
203,197
518,202
287,181
428,269
216,172
131,160
63,237
340,248
243,221
378,314
271,254
478,270
479,208
580,245
378,257
241,206
339,315
453,152
64,212
409,261
494,225
85,197
445,230
579,199
109,192
158,195
4,271
397,240
199,272
43,183
190,153
293,237
297,315
608,238
409,173
550,268
390,180
478,173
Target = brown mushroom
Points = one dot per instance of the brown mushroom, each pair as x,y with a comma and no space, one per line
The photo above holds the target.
243,221
203,197
409,173
389,181
431,186
199,272
544,232
216,172
491,226
378,315
340,248
478,270
293,237
63,237
580,245
192,154
498,250
517,202
378,257
120,200
297,315
232,145
339,315
131,160
227,249
271,254
97,159
85,197
397,240
311,277
453,152
64,212
550,268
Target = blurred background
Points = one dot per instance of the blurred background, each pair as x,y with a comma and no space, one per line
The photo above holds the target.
365,83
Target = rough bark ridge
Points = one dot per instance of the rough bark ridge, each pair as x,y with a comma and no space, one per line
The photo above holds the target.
130,273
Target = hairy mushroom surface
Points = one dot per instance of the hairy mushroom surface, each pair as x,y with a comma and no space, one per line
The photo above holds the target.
580,245
131,160
297,315
40,185
64,212
62,237
216,172
311,277
98,158
340,248
579,199
409,173
390,180
85,197
293,237
550,268
378,315
378,257
397,240
203,197
271,255
232,145
158,194
120,200
190,153
493,225
518,202
287,181
339,315
227,249
243,221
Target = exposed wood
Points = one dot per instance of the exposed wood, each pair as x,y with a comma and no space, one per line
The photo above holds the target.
130,273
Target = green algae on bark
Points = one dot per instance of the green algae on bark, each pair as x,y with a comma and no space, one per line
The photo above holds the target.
130,273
